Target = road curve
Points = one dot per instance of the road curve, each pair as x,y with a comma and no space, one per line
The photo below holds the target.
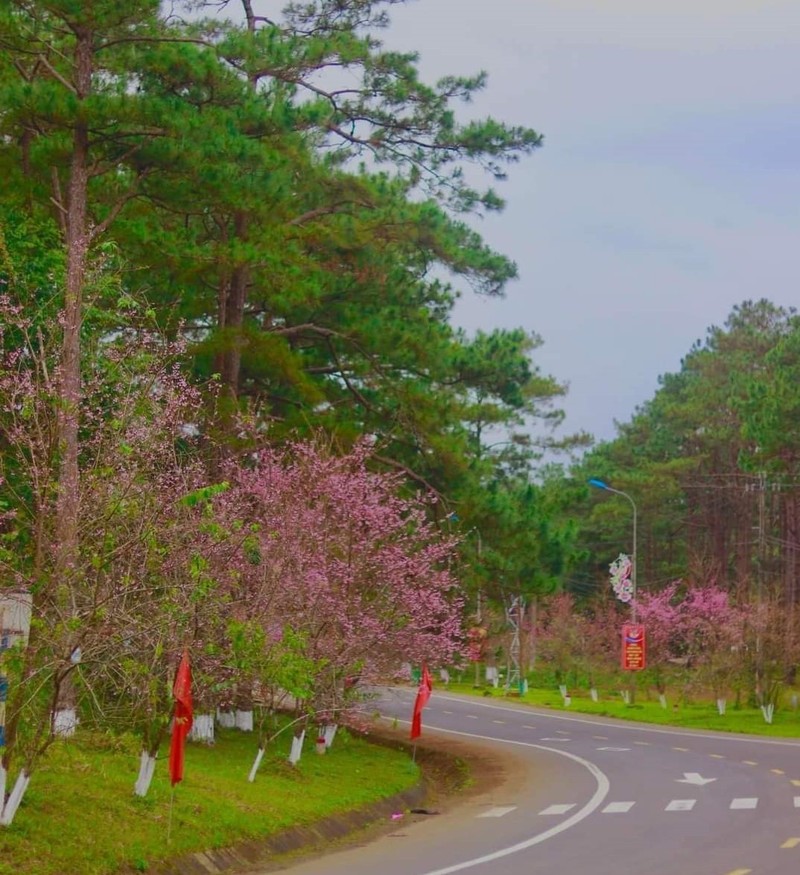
596,796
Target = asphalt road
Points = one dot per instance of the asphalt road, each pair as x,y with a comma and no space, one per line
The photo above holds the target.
596,796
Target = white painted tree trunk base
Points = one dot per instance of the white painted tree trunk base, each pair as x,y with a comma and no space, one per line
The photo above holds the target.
65,722
10,808
202,728
567,701
297,748
147,767
721,706
593,695
226,719
662,700
2,789
259,756
626,696
562,688
244,721
768,711
330,734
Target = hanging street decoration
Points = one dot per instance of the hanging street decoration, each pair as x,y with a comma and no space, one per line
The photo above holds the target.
621,580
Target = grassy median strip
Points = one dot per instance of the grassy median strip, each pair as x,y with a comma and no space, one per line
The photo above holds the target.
80,815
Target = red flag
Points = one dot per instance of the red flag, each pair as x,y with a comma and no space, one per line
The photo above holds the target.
182,721
423,694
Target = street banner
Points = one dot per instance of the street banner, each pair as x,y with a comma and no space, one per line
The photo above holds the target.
633,647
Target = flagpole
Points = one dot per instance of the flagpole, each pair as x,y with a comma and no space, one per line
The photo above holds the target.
169,821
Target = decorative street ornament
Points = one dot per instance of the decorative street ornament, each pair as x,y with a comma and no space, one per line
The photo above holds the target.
621,581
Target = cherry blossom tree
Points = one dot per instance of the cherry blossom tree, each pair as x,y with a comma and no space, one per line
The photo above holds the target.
335,558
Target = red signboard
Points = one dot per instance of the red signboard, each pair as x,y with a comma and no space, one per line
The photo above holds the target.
633,647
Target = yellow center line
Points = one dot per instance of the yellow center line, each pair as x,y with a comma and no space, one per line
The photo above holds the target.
740,872
791,843
796,783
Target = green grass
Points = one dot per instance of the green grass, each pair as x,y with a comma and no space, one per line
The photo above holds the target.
700,714
80,815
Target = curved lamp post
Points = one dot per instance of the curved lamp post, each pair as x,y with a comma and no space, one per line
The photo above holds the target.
600,484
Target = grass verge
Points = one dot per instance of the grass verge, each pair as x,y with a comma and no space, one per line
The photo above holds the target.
698,714
80,816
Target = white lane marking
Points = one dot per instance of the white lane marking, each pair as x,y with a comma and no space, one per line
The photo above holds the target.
600,737
750,762
681,805
797,801
472,716
622,724
558,809
447,712
603,787
777,771
791,843
717,756
745,802
620,749
555,739
499,721
618,807
645,743
526,726
499,811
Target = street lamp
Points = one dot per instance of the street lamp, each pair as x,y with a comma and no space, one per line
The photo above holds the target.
599,484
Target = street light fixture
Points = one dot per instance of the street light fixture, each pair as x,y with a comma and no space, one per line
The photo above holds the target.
600,484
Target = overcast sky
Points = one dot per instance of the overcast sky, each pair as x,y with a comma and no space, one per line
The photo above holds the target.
668,188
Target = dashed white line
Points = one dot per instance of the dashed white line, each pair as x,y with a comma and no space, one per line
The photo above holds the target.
618,807
744,802
558,809
681,805
499,811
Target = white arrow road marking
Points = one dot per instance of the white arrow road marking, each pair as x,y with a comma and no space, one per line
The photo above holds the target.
694,778
558,809
745,802
618,807
499,811
681,805
614,748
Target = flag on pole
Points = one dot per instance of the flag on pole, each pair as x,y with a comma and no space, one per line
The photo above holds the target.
182,720
423,694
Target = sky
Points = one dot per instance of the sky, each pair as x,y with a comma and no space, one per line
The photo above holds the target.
668,187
